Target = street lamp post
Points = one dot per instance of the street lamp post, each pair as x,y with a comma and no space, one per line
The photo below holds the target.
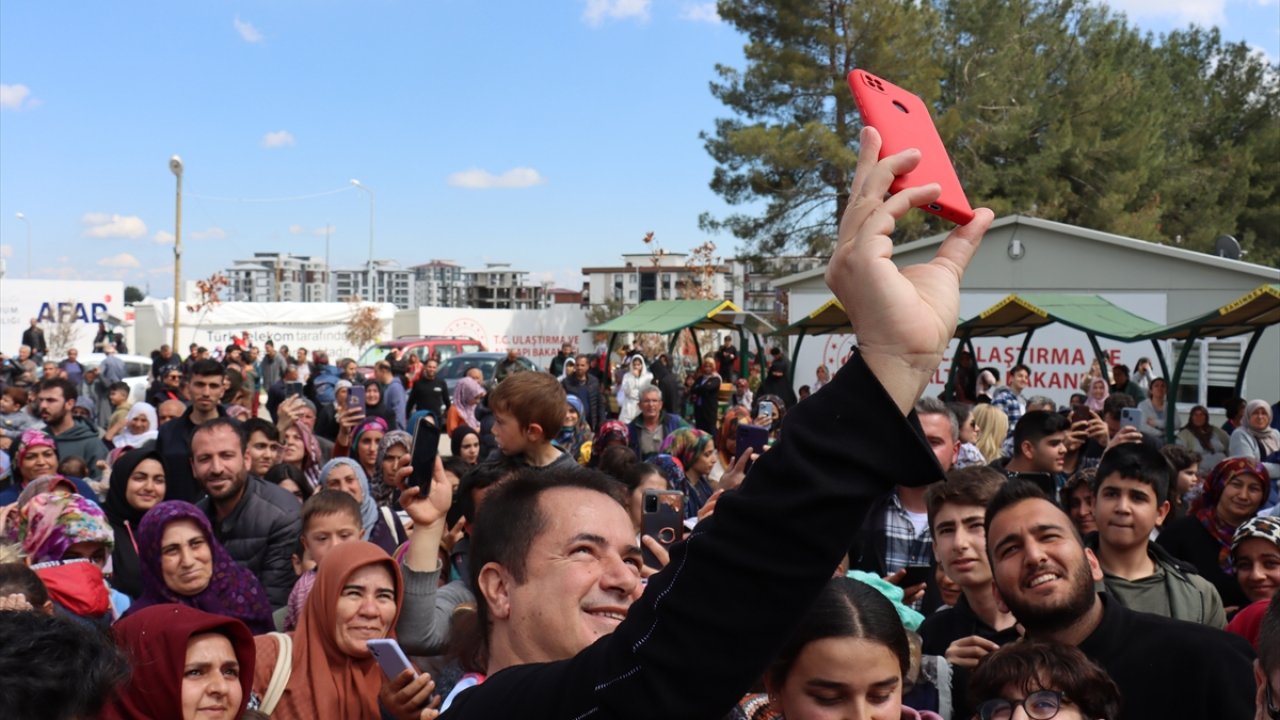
175,167
372,274
27,220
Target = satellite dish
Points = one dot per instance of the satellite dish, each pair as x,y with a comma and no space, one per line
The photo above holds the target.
1227,247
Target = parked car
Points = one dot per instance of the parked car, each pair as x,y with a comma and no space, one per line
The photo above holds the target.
137,372
456,367
424,346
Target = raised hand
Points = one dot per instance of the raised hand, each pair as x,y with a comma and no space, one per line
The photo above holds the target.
904,318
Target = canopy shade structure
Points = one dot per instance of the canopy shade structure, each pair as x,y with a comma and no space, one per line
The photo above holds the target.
1255,311
830,318
671,316
1017,314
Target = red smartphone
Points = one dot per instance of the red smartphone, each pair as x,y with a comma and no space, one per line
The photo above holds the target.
903,121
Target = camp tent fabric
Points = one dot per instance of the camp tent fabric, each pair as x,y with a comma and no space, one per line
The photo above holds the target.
669,316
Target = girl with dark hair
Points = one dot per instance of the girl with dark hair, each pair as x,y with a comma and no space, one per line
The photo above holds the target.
290,478
1043,680
137,485
849,656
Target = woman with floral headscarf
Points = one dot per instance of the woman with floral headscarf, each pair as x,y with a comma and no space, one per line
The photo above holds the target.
1233,492
1255,555
183,563
394,445
381,526
35,455
697,454
612,432
59,529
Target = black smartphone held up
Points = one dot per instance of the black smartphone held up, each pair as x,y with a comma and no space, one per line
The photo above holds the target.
292,389
355,398
751,438
662,518
916,575
426,445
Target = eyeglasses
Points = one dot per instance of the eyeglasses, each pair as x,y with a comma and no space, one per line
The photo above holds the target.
1039,705
1272,711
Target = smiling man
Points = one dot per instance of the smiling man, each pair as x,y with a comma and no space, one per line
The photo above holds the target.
256,521
1044,575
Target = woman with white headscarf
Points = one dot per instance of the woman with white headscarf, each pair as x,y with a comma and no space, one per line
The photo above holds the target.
636,379
140,425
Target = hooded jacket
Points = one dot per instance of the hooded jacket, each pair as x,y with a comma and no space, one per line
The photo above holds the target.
1191,597
82,440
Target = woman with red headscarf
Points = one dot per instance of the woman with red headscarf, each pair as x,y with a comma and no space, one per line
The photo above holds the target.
1233,492
187,664
331,675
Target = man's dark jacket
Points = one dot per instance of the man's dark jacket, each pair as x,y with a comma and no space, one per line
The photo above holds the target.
670,423
588,391
260,534
430,395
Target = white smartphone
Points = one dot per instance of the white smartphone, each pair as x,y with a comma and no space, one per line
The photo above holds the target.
390,657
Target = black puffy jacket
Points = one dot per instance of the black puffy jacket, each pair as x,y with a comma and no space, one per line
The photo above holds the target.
260,534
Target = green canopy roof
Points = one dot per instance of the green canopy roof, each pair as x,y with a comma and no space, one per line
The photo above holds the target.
1249,313
669,316
830,318
1018,314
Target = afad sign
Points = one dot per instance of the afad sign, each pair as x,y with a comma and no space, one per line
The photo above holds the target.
56,312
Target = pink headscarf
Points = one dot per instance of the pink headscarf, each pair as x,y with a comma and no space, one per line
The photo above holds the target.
464,396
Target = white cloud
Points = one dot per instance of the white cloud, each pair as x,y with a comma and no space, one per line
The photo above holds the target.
102,225
700,12
16,97
162,237
123,260
161,270
296,230
597,11
213,233
281,138
478,179
6,251
318,232
248,32
1202,12
61,272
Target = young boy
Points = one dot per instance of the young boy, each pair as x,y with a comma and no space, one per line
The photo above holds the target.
528,409
329,518
976,625
264,446
118,396
1132,498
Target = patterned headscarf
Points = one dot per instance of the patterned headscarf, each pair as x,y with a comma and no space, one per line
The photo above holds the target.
52,522
733,417
464,395
1257,528
368,506
1205,507
670,469
384,491
311,455
685,445
370,424
611,431
30,438
233,591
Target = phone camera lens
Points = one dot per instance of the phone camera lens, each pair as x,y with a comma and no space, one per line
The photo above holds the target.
935,207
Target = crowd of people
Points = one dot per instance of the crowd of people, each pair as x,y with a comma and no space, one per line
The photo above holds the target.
228,547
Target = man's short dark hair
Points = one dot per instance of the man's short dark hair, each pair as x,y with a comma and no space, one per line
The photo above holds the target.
223,422
974,485
513,519
479,477
118,386
1019,366
1269,641
253,425
330,502
1037,425
1120,368
1013,492
68,388
39,649
1116,402
207,367
1136,461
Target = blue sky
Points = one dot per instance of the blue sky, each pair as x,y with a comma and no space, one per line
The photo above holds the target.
549,134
